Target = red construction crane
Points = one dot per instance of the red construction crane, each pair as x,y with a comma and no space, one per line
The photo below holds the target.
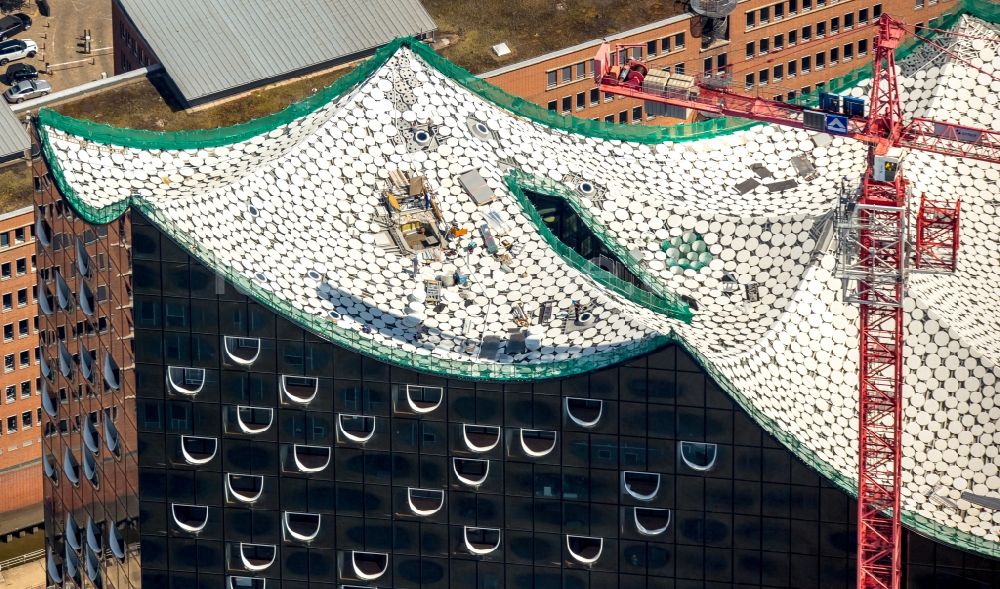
880,252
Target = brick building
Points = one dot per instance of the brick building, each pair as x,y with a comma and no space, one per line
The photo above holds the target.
772,49
20,468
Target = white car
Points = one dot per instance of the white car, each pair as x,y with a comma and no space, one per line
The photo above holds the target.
17,49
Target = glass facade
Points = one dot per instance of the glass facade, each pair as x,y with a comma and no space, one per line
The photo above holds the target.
257,451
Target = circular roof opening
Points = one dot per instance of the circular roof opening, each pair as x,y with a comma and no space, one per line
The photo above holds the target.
422,137
585,188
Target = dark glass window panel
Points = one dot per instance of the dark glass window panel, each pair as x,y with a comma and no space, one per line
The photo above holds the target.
774,568
176,279
776,500
146,277
205,316
147,312
690,562
632,383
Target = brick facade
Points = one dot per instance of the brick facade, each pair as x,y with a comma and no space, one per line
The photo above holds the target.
131,51
775,50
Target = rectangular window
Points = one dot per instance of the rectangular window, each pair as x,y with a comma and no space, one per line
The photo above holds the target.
820,60
806,65
779,11
806,5
22,266
4,239
609,119
793,37
834,55
820,30
679,41
25,358
707,66
805,90
679,68
665,45
567,103
26,420
595,96
779,42
834,25
820,3
919,28
8,332
863,16
919,4
849,21
10,393
762,77
553,105
779,73
637,114
793,68
637,53
807,32
751,19
8,303
848,51
793,7
581,100
749,82
608,97
581,70
567,74
877,11
551,78
26,389
11,424
765,46
19,235
862,47
651,48
750,49
791,95
23,329
765,15
5,271
721,61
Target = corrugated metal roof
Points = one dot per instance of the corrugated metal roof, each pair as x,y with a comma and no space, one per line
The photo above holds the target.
13,137
210,46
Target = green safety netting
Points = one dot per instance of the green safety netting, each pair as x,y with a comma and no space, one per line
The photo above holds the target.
604,355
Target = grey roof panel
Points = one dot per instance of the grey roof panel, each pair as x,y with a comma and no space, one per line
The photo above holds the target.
13,137
210,46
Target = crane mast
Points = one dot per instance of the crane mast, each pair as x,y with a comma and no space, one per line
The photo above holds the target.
876,251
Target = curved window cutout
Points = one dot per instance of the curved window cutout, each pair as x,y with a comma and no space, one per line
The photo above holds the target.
699,456
111,372
246,583
93,536
111,437
356,428
425,501
65,360
641,485
186,381
242,350
116,542
257,557
72,565
481,540
86,363
82,258
73,533
91,439
198,450
369,566
90,469
584,549
311,458
71,467
44,365
244,488
42,230
471,471
86,300
45,301
299,389
93,567
481,438
651,522
537,442
423,399
63,294
48,403
190,518
584,412
303,527
49,468
52,568
254,420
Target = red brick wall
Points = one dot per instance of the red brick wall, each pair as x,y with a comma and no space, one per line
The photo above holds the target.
131,51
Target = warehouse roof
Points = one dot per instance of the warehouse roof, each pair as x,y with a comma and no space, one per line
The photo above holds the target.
210,46
13,137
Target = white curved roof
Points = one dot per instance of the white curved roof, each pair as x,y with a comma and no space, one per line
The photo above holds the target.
790,357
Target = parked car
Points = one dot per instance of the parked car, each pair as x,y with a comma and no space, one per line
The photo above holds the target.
19,72
27,90
17,49
13,24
